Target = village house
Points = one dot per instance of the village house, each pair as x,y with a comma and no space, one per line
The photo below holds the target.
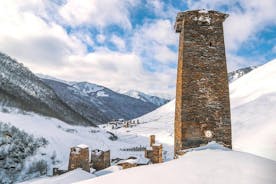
79,158
100,159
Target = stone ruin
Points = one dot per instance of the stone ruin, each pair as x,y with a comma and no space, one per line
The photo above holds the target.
154,152
79,158
202,111
100,159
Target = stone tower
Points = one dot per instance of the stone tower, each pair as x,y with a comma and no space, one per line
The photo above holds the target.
79,158
202,112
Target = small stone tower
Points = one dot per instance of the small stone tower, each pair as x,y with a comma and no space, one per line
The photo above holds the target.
154,152
100,159
79,158
152,140
202,112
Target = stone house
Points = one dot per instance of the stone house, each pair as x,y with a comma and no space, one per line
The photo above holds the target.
79,158
100,159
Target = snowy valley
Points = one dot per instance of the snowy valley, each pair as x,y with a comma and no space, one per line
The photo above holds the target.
253,132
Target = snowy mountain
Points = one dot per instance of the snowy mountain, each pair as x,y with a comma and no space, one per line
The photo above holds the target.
97,103
146,98
234,75
22,89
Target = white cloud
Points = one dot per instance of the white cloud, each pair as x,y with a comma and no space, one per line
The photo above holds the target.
31,39
118,41
98,13
100,38
162,9
117,71
154,40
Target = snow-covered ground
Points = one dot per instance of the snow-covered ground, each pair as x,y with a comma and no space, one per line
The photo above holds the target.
210,165
253,98
253,105
69,177
62,136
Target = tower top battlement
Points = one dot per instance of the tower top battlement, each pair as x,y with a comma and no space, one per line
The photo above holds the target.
198,17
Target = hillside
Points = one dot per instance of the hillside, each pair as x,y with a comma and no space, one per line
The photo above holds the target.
145,97
22,89
234,75
60,137
209,165
98,103
253,104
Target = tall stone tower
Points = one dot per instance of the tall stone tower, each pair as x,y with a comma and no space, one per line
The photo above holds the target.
202,112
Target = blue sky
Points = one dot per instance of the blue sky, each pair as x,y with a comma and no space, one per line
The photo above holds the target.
126,44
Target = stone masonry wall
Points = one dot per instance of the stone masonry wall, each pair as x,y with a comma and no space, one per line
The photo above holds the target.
100,159
202,111
79,158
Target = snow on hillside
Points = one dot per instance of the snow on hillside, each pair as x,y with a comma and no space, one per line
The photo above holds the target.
62,137
87,88
234,75
144,97
253,106
255,84
211,165
253,103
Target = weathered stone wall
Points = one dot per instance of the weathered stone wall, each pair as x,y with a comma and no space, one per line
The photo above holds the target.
202,111
155,152
126,165
79,158
152,140
100,159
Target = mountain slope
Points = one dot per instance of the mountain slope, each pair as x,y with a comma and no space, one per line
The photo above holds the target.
97,103
253,103
146,98
21,88
234,75
211,165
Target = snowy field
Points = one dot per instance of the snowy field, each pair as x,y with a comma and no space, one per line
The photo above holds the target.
211,165
69,177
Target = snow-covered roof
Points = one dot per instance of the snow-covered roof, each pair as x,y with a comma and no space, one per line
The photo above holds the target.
156,144
83,146
130,161
139,160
